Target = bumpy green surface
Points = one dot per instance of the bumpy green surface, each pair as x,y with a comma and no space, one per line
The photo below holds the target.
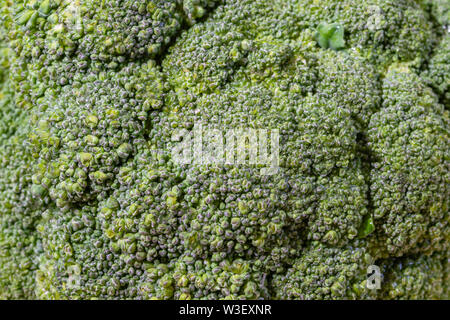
92,91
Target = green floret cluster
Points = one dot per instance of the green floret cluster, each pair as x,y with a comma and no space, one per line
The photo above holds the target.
94,205
437,75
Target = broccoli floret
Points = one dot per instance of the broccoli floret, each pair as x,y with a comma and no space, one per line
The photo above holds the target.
84,135
437,74
440,10
416,277
409,180
326,273
383,31
188,278
19,207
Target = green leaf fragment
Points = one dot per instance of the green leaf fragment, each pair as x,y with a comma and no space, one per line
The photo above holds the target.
23,17
330,36
367,227
337,39
45,7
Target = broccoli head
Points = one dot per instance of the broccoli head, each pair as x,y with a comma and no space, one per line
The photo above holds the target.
351,97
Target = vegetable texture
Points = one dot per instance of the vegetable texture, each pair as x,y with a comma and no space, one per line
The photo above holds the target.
93,205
